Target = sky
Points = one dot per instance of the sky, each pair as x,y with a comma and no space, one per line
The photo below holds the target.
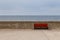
29,7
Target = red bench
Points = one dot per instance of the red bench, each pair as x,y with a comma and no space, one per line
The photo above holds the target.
40,26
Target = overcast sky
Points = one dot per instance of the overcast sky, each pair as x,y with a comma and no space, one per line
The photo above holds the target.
29,7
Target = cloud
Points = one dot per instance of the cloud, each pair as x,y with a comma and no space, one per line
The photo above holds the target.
29,7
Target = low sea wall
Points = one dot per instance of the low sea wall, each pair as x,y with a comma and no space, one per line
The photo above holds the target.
26,25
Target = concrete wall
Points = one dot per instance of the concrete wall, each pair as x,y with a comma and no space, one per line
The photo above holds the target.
17,25
26,25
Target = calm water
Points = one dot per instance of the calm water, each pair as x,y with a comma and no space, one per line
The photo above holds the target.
29,18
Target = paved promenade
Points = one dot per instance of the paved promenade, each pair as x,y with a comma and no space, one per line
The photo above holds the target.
29,34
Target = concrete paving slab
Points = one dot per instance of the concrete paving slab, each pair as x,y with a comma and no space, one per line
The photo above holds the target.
28,34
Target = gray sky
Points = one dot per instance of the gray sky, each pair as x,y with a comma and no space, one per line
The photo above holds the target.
29,7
